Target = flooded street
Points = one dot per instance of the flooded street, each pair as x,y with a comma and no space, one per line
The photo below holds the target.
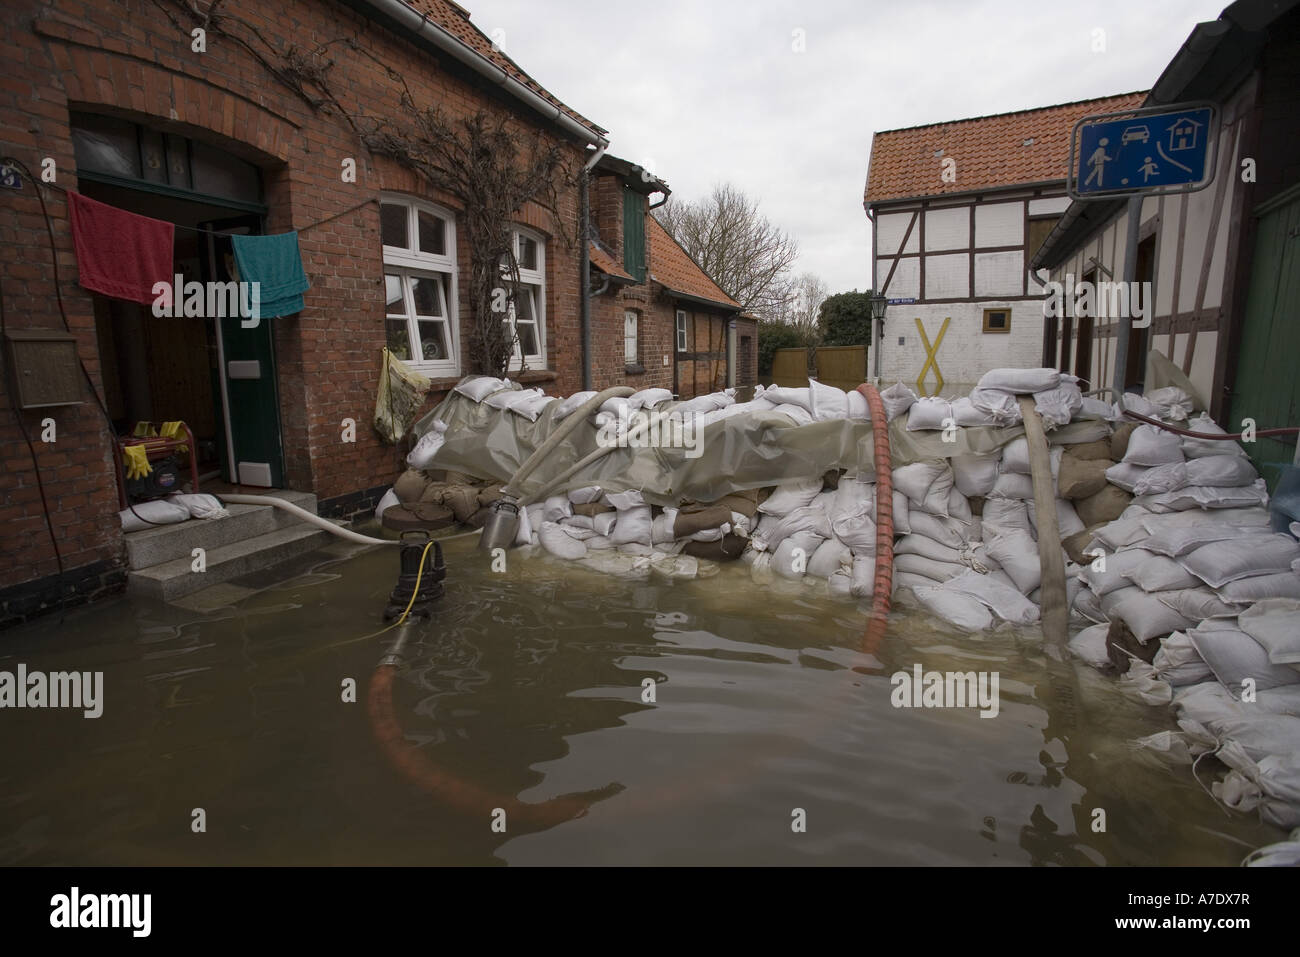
529,684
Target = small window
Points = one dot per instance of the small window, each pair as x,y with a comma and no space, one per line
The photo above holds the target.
420,284
681,331
997,320
527,311
629,338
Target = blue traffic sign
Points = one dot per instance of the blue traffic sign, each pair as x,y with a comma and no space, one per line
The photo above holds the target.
1147,151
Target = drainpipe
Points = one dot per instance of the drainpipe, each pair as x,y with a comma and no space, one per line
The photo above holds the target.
877,325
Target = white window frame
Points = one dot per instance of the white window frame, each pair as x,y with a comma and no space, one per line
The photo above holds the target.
410,264
635,357
681,330
532,283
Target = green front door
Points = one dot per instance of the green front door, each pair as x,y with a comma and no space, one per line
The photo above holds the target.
1266,388
247,376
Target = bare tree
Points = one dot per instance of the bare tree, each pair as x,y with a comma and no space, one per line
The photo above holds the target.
735,244
805,314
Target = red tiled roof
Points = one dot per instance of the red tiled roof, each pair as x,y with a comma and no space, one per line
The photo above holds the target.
1007,149
454,19
673,268
605,263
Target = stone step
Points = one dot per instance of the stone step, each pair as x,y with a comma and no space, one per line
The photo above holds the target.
156,546
174,579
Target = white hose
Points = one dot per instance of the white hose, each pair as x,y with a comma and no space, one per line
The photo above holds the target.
306,516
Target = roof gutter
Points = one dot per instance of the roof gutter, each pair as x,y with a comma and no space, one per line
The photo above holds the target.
426,29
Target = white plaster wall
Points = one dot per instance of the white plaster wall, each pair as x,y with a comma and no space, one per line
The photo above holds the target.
966,351
947,229
947,276
1000,224
999,274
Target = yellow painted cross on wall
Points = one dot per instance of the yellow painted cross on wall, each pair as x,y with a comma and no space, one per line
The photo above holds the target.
930,357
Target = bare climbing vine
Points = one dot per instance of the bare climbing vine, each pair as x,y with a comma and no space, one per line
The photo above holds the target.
488,161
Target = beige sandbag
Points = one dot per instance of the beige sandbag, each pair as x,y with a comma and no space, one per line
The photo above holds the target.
1089,451
490,494
1075,544
410,486
1103,507
462,500
1080,478
592,509
1119,439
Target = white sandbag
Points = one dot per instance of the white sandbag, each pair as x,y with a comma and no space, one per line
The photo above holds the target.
831,556
604,522
617,407
966,415
1141,683
200,505
560,543
1015,458
946,531
926,547
929,413
1234,656
1218,563
864,576
1221,471
421,456
795,413
478,388
148,514
1179,663
926,485
649,398
556,507
1150,445
1275,624
632,498
1179,540
1000,406
661,527
1089,645
1168,747
1260,587
902,513
1120,533
958,508
896,399
905,583
1093,408
634,525
808,518
1158,573
1067,519
828,402
784,395
390,499
1002,514
524,532
530,405
571,404
1135,403
853,492
1115,574
508,399
974,475
1281,854
1171,402
928,567
785,498
1145,615
1126,476
1058,406
586,496
1013,485
1003,600
957,609
1020,381
1153,481
1206,497
856,406
1198,448
856,529
1017,554
1198,604
791,559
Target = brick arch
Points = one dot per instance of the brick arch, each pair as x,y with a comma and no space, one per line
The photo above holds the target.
177,103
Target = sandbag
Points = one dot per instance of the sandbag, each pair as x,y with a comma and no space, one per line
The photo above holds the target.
966,415
831,556
1170,402
1235,656
1150,445
1273,623
1089,645
1015,458
1207,497
570,405
410,486
1067,520
902,513
1158,573
1198,604
1119,439
1219,563
974,474
1199,448
928,567
560,543
1080,478
1020,381
1003,600
478,388
896,399
634,525
1012,485
926,485
1056,407
1103,507
388,500
1017,554
1000,406
1001,514
1115,574
957,609
929,413
1179,663
423,453
556,508
828,402
1259,587
1146,616
788,496
1091,451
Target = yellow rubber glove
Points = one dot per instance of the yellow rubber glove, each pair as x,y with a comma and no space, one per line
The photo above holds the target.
174,430
137,462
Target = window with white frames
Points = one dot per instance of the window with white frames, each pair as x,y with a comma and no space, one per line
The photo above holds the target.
419,242
629,338
528,313
681,331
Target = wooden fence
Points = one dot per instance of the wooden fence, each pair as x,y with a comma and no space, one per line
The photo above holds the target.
842,366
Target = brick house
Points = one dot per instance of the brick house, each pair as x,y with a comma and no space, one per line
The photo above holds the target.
957,210
250,121
662,321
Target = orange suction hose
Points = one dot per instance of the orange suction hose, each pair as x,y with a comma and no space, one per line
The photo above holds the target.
884,584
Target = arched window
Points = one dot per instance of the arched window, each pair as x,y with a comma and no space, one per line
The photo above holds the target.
419,242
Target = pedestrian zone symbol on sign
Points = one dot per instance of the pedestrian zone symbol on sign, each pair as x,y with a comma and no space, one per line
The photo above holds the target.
1143,152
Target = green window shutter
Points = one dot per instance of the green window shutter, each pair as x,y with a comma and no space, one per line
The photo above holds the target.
633,235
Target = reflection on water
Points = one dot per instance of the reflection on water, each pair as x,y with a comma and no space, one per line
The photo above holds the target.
532,684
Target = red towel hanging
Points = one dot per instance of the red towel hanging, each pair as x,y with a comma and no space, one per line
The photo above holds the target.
120,254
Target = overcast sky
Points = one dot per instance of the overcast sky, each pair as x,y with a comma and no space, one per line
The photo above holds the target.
707,91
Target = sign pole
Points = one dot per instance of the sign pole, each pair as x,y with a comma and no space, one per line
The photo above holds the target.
1122,332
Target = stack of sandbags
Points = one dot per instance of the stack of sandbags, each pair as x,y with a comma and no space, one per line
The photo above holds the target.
1082,482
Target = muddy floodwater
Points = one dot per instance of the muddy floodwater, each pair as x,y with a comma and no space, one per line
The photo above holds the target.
530,684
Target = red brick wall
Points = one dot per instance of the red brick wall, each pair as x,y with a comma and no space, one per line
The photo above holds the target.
100,55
